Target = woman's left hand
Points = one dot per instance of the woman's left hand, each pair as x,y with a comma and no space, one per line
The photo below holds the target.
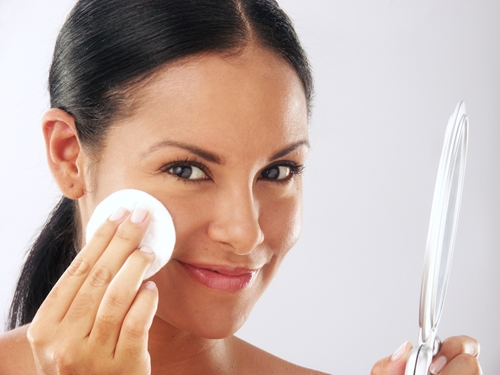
457,356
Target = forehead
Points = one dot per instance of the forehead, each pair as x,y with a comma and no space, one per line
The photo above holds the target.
252,96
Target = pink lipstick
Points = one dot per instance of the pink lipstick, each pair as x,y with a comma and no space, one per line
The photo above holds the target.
228,279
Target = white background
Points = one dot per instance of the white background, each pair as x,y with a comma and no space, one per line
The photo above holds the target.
388,75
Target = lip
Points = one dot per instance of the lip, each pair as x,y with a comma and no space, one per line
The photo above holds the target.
221,278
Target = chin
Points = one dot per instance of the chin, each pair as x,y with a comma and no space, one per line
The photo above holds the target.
193,308
210,321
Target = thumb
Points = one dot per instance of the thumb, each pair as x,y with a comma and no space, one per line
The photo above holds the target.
395,364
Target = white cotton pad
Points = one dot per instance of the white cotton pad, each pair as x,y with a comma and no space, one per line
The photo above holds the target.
160,235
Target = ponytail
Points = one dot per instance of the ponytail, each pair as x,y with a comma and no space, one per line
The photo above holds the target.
50,255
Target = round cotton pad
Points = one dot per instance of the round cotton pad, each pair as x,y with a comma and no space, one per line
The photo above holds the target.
160,235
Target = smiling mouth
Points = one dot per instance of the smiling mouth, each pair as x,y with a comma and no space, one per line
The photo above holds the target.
221,278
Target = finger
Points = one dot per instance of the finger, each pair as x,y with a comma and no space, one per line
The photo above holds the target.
395,364
59,300
133,339
453,347
86,303
118,299
462,364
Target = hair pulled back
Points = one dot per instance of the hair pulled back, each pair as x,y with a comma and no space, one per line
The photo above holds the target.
105,49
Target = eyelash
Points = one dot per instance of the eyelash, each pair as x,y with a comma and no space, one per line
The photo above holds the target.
296,169
186,163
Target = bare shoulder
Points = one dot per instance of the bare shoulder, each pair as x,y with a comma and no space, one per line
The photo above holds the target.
257,361
15,352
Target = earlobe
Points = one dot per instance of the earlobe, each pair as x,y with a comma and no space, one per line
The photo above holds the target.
64,152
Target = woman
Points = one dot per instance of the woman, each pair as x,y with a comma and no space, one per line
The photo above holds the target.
204,105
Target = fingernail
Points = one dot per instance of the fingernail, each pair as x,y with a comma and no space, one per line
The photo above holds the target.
139,215
150,285
438,365
399,352
147,249
118,214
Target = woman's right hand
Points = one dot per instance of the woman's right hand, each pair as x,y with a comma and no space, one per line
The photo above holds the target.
97,317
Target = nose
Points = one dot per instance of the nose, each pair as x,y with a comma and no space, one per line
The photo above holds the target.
236,220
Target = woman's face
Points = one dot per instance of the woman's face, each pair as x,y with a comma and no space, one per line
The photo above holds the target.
220,141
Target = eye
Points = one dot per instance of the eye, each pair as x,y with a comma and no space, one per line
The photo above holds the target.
189,172
277,172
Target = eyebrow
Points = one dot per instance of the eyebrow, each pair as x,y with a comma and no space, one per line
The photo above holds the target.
290,149
207,155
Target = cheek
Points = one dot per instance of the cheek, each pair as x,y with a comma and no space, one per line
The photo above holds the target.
281,223
190,214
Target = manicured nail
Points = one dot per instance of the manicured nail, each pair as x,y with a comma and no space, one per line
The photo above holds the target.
118,214
399,352
147,249
438,365
139,215
150,285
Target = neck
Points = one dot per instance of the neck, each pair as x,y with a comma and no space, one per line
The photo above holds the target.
178,352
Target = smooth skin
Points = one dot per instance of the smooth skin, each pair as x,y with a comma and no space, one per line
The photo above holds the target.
220,141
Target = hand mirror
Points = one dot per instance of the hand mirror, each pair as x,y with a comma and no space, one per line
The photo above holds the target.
440,240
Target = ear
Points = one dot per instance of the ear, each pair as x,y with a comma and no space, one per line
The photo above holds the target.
64,152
